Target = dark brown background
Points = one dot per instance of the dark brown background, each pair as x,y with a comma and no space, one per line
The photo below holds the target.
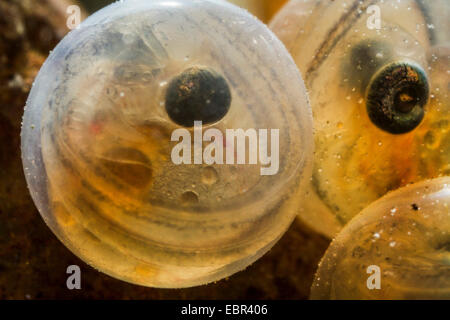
32,261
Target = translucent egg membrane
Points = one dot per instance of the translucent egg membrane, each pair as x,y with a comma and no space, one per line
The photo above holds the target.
403,239
96,142
379,96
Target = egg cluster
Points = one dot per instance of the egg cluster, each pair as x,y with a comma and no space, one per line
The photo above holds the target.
377,74
110,104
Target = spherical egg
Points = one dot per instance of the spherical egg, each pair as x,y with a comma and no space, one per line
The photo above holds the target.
166,143
377,77
397,248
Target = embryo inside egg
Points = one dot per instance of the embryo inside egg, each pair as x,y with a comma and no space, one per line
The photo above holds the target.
379,97
120,94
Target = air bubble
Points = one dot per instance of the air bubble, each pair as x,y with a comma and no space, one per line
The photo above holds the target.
209,176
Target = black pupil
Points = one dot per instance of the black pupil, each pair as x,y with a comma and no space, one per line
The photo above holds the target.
197,94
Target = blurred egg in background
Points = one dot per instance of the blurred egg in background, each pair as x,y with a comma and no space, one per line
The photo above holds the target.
263,9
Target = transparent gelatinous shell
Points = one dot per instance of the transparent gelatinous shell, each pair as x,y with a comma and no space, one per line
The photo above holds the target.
397,248
379,95
97,149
